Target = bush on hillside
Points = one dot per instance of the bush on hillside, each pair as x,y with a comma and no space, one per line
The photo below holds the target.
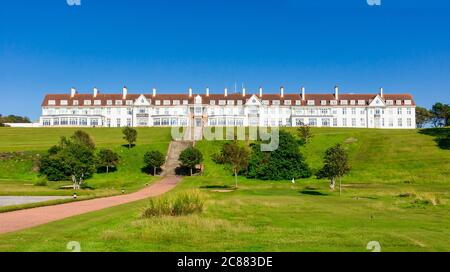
184,203
285,163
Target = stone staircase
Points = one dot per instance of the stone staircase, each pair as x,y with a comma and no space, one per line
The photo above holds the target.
175,149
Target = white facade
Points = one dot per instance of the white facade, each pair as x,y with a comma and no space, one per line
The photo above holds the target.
321,110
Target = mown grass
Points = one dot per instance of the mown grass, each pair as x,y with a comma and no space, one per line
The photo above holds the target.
18,175
383,206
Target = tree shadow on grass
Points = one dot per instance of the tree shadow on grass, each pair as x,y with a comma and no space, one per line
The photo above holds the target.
442,136
128,147
216,187
149,170
312,192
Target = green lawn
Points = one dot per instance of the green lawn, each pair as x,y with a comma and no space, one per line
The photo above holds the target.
281,216
18,174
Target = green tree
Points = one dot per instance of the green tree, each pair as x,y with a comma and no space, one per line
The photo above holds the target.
237,157
154,160
441,114
130,135
423,116
13,119
190,157
83,138
284,163
304,133
336,166
72,159
107,158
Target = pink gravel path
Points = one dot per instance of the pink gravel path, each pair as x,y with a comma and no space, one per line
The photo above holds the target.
23,219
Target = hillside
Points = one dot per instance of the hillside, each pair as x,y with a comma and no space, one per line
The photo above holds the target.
398,194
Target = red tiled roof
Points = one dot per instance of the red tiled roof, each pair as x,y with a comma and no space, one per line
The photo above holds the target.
317,98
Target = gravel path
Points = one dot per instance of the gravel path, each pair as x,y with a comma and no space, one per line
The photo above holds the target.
23,219
19,200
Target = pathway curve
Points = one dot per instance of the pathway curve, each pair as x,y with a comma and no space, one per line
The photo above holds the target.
23,219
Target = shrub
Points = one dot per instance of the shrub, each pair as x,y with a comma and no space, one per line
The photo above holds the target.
184,203
41,183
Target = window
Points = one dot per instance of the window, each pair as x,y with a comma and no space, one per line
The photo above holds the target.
108,122
166,102
299,122
83,122
353,111
287,102
52,103
265,102
129,102
408,111
408,102
353,122
344,102
118,102
157,102
399,111
129,122
185,102
56,122
409,122
64,103
276,102
46,122
73,121
176,102
363,122
94,122
108,111
298,102
323,102
398,102
75,103
362,111
391,122
324,111
64,122
400,122
344,111
109,102
165,121
390,102
222,102
344,122
335,122
352,102
326,122
333,102
118,122
311,102
312,121
97,102
239,102
361,102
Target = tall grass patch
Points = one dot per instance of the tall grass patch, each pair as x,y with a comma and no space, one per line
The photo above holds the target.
183,203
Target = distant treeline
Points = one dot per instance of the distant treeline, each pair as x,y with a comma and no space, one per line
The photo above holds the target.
13,119
437,116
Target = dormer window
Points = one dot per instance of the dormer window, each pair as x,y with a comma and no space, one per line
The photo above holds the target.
166,102
352,102
64,102
87,102
176,102
118,102
323,102
361,102
390,102
53,102
287,102
109,102
212,102
298,102
398,102
230,102
344,102
157,102
276,102
311,103
333,102
239,102
408,102
222,102
266,102
97,102
185,102
129,102
75,103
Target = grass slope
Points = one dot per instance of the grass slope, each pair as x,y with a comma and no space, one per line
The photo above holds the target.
17,174
281,216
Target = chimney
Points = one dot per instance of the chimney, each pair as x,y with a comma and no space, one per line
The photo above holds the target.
207,91
73,91
243,92
260,91
303,94
336,92
382,92
226,92
124,93
95,92
190,92
154,92
282,92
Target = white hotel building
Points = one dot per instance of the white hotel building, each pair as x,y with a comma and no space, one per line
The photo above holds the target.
378,110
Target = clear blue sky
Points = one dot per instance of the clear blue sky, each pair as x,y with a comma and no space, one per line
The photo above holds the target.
47,46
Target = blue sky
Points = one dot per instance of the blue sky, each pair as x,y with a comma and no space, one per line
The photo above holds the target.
47,46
